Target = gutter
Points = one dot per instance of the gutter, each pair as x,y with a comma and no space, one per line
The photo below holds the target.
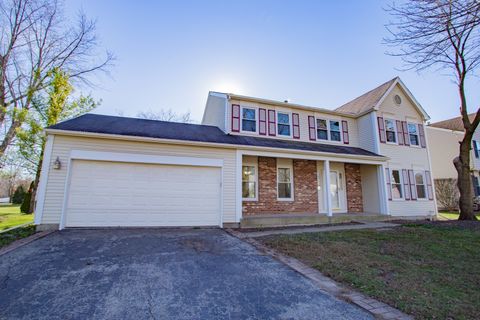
209,144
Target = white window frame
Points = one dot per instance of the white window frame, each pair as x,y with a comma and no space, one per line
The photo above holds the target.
329,130
256,120
400,173
255,165
394,131
424,183
289,114
418,134
286,166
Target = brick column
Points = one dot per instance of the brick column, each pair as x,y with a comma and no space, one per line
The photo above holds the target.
353,181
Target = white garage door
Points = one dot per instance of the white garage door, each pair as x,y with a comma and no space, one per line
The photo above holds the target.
105,193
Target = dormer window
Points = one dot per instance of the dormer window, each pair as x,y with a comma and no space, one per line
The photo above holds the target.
322,129
283,124
335,130
249,120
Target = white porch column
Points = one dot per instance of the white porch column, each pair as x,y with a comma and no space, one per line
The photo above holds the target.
382,188
327,195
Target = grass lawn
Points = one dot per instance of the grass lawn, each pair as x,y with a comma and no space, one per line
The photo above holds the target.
430,271
452,215
10,216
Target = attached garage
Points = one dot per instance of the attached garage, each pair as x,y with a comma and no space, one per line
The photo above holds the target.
126,190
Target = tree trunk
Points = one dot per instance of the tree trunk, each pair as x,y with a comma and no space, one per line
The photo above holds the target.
33,199
464,181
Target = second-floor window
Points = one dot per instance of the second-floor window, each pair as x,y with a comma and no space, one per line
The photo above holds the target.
413,134
283,124
322,129
249,120
335,131
390,131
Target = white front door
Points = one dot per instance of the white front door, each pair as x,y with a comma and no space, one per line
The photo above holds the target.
334,190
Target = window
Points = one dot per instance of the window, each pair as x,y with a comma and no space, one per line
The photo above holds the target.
397,191
476,186
413,134
249,120
283,124
249,182
420,184
335,131
284,183
322,129
390,130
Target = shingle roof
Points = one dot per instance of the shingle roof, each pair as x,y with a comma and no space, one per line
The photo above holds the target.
94,123
367,100
453,123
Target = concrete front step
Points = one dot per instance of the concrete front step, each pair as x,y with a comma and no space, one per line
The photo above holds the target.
282,220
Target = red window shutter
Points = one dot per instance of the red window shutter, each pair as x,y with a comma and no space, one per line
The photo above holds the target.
389,184
271,123
406,185
311,128
262,121
235,118
400,132
296,125
381,130
346,138
428,177
413,189
421,133
406,137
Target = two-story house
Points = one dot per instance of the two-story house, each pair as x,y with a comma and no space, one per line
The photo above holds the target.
444,137
250,161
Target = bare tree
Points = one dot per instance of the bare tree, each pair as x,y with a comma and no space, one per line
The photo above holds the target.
443,34
166,115
35,38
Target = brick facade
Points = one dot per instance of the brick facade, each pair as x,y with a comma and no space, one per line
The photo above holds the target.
353,181
304,188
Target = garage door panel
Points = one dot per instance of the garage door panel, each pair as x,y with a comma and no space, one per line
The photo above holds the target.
127,194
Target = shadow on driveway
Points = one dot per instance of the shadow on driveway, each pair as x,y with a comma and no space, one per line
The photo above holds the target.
156,274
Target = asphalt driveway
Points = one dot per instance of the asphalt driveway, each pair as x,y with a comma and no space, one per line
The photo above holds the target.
156,274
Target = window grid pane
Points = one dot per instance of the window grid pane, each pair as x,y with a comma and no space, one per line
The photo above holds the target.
390,130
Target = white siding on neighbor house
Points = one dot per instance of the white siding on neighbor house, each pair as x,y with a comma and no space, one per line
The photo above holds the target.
475,163
405,157
63,145
303,115
214,114
444,147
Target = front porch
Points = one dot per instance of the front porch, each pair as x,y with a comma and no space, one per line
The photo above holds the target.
285,190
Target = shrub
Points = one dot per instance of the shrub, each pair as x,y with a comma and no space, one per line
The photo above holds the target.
25,207
18,195
447,194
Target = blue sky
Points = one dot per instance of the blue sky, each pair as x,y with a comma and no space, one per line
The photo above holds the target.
319,53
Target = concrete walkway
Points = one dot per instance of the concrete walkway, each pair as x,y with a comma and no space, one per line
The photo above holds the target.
368,225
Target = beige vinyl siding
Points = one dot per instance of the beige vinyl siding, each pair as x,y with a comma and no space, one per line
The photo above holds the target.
405,157
443,146
303,115
63,145
214,114
367,132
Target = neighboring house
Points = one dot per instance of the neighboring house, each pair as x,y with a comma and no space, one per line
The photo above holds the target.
444,137
250,157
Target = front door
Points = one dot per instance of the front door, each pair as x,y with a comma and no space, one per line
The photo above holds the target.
334,190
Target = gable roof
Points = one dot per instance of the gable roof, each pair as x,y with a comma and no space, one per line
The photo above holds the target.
368,100
372,99
455,124
112,125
